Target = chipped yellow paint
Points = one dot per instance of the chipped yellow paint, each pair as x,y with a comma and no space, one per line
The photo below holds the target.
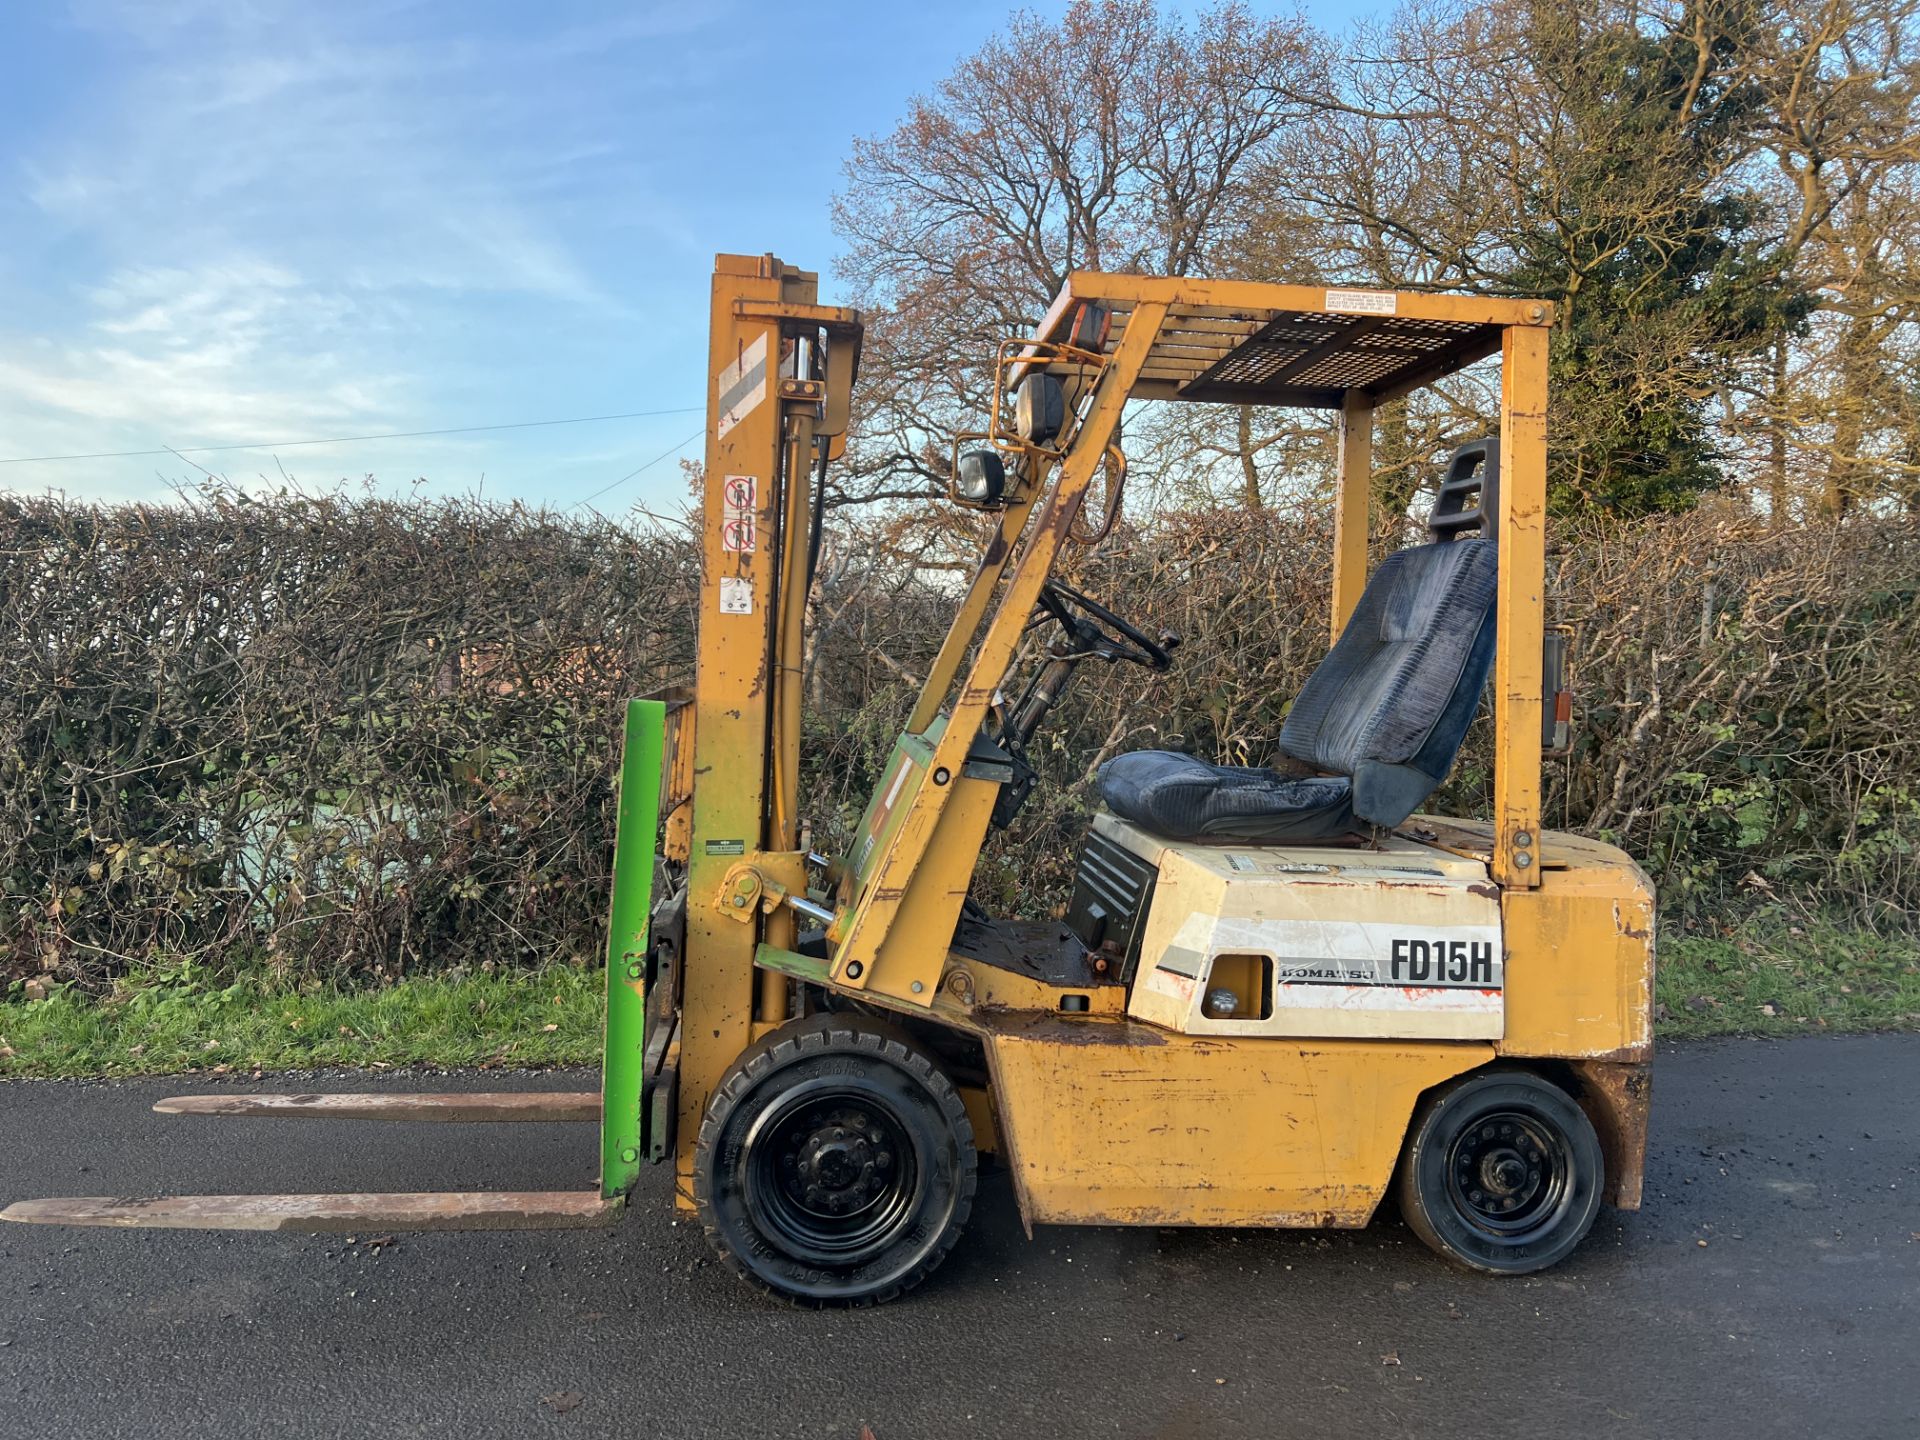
735,676
978,1101
1234,296
1579,948
915,949
977,985
1520,604
1580,956
1352,503
1108,1121
677,829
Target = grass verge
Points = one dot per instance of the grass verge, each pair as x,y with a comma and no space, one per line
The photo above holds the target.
1775,978
1766,979
166,1024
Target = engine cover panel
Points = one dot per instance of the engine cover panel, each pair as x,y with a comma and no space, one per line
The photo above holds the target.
1398,941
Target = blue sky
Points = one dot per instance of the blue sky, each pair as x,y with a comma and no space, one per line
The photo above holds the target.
232,221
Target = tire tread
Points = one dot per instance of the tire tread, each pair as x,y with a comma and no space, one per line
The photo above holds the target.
820,1035
1413,1206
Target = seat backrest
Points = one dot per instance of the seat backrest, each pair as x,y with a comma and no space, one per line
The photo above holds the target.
1391,703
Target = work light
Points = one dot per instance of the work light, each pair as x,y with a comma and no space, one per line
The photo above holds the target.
1039,409
981,478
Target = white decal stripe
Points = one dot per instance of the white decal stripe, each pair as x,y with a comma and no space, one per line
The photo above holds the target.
742,386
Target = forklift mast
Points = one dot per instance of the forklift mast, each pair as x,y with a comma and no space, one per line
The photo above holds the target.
780,369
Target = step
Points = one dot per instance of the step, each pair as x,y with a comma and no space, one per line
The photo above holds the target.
424,1210
503,1107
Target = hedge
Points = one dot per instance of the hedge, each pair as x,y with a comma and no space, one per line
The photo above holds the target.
354,737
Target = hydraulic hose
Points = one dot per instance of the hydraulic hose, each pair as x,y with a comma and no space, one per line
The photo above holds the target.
819,518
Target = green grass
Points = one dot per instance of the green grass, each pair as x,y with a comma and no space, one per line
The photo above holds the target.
169,1023
1769,978
1775,978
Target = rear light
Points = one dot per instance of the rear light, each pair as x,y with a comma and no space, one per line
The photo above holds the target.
1556,698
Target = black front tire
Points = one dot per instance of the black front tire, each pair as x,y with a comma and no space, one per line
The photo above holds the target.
835,1165
1503,1173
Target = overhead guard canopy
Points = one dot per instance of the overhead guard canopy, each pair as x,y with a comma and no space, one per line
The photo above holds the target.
1244,343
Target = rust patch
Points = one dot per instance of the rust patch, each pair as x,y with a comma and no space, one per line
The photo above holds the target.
1626,927
1188,1215
1618,1096
1044,1027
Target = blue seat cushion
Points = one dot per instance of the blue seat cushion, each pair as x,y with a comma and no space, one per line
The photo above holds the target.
1181,797
1391,703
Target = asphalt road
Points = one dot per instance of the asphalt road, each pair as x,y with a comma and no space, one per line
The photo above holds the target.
1797,1163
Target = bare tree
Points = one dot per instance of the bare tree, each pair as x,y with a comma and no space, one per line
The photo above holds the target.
1718,195
1119,139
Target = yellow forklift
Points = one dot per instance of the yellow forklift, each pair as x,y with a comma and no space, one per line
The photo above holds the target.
1277,992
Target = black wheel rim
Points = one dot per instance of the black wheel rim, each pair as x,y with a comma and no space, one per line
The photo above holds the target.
1509,1176
831,1175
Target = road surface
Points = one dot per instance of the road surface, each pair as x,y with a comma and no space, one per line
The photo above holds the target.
1797,1164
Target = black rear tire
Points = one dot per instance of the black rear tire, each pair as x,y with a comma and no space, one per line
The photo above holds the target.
835,1165
1503,1172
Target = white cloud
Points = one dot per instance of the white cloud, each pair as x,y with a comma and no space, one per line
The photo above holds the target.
221,354
282,220
269,219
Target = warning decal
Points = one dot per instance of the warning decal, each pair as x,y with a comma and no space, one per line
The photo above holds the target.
1362,302
743,385
736,596
739,512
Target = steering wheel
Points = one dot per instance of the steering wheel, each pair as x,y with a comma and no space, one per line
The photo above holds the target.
1096,630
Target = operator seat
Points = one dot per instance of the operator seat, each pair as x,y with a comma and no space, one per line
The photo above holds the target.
1383,715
